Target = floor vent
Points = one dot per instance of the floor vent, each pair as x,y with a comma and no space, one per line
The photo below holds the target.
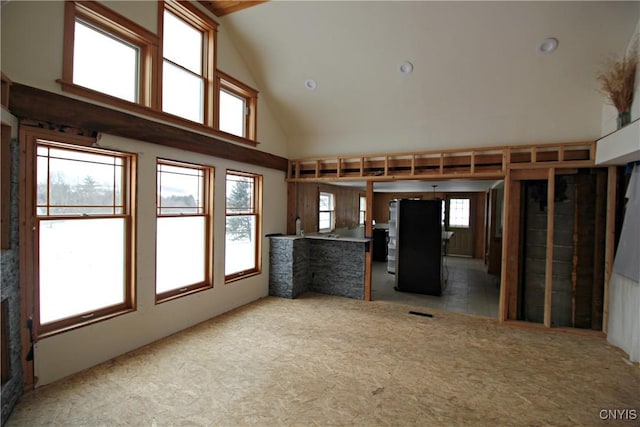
418,313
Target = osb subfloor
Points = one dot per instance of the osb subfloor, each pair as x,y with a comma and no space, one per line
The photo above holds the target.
322,360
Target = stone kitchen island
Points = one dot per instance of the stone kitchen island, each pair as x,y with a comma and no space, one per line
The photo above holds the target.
317,263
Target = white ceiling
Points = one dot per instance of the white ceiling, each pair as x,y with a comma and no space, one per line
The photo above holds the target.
478,79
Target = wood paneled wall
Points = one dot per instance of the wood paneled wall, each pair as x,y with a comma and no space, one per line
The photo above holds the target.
478,214
381,202
347,207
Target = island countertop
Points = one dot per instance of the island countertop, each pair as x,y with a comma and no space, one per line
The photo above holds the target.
331,237
318,263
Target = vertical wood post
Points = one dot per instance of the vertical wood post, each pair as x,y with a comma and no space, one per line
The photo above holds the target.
504,273
548,274
292,207
368,233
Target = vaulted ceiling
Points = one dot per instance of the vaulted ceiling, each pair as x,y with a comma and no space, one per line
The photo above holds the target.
478,78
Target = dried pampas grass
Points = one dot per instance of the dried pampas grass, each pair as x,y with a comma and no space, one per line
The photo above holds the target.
619,80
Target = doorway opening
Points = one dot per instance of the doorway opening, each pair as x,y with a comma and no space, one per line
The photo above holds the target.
471,223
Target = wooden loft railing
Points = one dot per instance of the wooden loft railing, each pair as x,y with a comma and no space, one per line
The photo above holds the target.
480,163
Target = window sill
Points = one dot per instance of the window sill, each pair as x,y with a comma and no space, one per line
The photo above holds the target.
179,293
242,275
151,112
45,332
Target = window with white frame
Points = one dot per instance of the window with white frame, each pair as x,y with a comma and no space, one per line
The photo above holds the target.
183,229
84,222
326,212
459,213
242,229
363,210
187,62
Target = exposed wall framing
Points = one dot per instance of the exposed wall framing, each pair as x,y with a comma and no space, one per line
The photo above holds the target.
579,301
487,163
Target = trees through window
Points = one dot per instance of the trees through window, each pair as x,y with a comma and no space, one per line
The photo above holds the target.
83,222
242,242
183,229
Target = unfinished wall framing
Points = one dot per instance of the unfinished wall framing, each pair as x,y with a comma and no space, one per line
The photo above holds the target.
556,254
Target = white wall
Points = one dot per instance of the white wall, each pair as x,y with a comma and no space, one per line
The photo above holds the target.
32,34
624,292
609,112
64,354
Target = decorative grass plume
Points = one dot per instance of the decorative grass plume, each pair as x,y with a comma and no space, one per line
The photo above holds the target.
619,80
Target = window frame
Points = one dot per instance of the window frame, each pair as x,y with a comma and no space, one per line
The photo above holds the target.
332,212
449,210
30,140
119,27
150,84
199,20
362,213
257,213
250,95
207,205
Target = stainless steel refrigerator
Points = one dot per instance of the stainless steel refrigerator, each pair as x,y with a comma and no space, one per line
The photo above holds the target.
419,246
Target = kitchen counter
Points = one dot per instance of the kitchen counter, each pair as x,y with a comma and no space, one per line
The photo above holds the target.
317,263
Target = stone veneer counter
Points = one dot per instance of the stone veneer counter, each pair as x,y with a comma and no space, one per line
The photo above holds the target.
328,265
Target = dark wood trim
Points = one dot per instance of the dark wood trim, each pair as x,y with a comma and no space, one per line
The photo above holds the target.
4,93
368,227
26,251
38,104
5,188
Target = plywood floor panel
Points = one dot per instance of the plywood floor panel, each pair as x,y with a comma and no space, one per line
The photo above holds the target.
322,360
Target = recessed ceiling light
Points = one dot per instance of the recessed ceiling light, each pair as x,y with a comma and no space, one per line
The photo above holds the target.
311,84
405,67
548,45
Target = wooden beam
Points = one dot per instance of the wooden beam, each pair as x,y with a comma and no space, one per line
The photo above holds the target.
506,230
548,273
222,7
38,104
609,244
292,207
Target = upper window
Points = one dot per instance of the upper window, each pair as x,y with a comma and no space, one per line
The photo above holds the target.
242,240
459,213
83,233
171,76
183,229
188,43
237,109
326,214
105,63
107,53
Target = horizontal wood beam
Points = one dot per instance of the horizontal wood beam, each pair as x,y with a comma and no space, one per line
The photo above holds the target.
32,103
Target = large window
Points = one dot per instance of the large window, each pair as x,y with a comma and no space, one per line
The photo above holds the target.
326,214
83,223
459,213
107,54
188,62
242,240
183,229
238,105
